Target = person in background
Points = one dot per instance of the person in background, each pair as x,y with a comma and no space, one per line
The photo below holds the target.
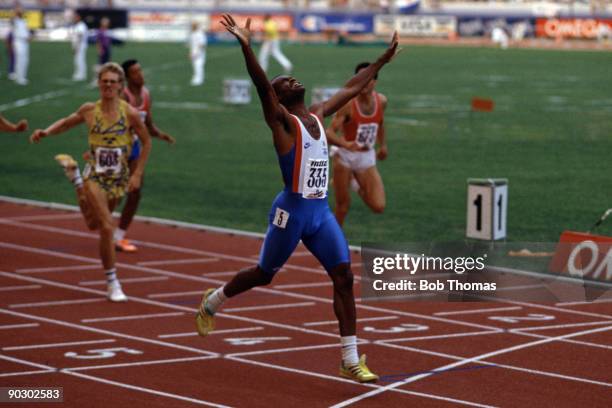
137,95
79,47
271,45
197,53
21,47
103,46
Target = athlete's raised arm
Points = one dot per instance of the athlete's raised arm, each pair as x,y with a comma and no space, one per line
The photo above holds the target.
63,124
357,82
275,114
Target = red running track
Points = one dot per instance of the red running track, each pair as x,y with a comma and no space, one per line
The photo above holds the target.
275,346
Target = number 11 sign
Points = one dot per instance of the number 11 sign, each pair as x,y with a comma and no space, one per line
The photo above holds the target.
487,207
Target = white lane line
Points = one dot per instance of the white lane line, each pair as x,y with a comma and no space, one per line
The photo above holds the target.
21,287
19,103
131,317
447,367
193,333
143,389
103,331
56,303
219,274
495,309
585,302
445,336
44,217
20,373
175,294
26,362
559,326
362,319
141,363
53,345
27,271
579,342
344,380
268,307
18,326
178,261
102,282
282,350
506,366
304,285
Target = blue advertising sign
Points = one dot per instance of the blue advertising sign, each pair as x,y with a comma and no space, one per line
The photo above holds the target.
349,23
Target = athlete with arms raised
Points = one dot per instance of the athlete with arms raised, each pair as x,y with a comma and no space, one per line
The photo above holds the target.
300,211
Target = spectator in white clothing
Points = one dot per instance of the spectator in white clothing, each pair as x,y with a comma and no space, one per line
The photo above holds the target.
21,47
79,48
197,53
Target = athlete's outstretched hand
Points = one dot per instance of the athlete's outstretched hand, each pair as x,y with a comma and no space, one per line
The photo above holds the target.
392,50
242,34
37,135
21,125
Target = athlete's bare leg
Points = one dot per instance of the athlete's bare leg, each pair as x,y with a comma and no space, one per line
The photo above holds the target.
91,219
246,279
372,190
102,207
344,299
131,203
342,192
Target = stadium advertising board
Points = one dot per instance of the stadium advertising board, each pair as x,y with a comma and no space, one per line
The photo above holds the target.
415,26
163,4
344,23
284,22
583,256
482,26
587,28
33,18
164,26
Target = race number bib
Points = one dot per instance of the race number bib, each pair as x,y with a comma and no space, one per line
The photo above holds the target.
143,116
315,181
108,160
366,134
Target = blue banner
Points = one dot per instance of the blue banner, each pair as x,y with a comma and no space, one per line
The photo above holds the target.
344,23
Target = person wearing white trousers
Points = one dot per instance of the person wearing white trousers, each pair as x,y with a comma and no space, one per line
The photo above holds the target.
21,45
271,45
79,48
197,53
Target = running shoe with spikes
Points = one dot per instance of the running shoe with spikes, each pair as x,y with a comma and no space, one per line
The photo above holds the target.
358,372
69,165
205,321
124,245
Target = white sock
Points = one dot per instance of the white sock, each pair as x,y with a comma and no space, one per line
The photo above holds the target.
349,350
119,234
111,277
215,300
77,180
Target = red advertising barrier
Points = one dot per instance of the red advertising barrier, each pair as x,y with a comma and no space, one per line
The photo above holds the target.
585,28
583,255
283,21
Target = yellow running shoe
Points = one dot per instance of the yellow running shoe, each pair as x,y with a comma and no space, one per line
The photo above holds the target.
358,372
69,165
205,322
